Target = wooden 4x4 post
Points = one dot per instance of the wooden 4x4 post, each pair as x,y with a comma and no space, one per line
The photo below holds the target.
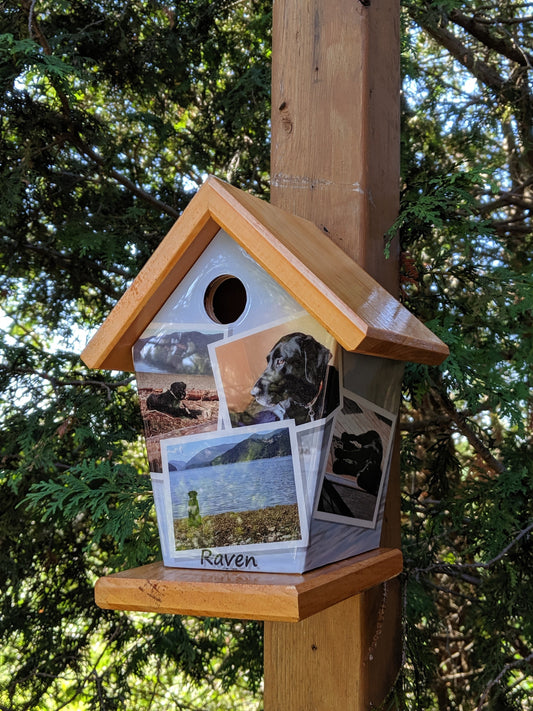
332,626
336,161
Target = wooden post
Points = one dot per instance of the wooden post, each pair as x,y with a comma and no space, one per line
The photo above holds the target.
335,161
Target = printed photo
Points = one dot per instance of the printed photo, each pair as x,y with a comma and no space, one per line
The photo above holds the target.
162,349
313,446
176,385
235,488
357,463
282,372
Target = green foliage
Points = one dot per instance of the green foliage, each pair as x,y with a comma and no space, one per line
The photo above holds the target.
111,114
115,499
466,234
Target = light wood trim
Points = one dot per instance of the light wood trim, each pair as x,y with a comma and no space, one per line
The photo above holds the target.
356,310
243,595
354,307
331,661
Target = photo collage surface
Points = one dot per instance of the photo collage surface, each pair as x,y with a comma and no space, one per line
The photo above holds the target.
241,427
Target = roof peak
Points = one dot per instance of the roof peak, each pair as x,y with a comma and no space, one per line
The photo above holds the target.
360,314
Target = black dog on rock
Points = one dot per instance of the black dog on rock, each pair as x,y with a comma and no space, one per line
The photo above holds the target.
170,401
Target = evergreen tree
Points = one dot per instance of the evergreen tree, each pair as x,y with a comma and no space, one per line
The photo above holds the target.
111,115
466,236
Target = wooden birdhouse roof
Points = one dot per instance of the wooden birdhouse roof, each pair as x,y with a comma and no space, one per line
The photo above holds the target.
360,314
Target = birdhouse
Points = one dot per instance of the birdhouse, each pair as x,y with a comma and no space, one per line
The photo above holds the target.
268,367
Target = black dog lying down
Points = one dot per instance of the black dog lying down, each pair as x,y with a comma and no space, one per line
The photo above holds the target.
292,385
360,456
169,402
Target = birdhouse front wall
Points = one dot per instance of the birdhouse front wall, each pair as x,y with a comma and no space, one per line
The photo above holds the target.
268,445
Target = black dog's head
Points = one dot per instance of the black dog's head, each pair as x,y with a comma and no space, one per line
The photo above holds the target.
179,390
296,367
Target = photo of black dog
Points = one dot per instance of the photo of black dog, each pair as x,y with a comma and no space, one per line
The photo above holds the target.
359,456
292,385
170,401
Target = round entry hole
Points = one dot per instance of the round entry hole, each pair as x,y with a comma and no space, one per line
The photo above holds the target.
225,299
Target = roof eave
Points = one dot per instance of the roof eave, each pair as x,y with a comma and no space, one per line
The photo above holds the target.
360,314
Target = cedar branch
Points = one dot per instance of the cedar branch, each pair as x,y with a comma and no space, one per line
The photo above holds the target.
36,32
466,430
481,32
460,568
465,56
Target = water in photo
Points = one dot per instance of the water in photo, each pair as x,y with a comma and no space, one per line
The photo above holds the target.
234,488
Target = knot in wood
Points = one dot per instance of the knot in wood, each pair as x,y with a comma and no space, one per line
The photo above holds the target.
286,120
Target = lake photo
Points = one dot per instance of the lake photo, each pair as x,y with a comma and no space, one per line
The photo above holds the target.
238,487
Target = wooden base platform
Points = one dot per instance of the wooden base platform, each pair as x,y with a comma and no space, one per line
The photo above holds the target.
281,597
